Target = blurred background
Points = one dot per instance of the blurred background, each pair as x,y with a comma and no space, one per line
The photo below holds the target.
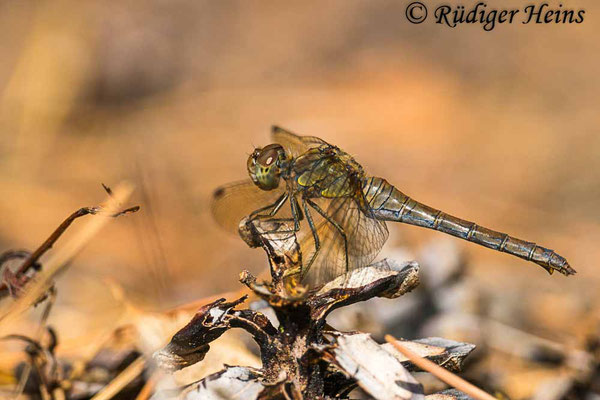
499,127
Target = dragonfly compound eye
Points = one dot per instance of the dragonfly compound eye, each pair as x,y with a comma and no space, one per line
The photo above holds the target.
269,155
263,166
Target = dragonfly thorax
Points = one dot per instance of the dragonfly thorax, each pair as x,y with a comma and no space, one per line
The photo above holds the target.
266,164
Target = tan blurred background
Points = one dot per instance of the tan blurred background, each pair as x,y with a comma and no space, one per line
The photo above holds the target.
499,127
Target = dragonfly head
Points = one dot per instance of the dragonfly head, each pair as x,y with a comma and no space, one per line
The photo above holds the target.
265,165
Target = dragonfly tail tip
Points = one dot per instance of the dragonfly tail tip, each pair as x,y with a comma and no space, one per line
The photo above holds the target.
566,270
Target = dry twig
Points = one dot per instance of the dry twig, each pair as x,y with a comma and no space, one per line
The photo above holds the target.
441,373
132,371
39,285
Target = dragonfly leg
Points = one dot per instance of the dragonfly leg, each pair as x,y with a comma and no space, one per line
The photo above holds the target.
275,207
296,216
335,225
311,224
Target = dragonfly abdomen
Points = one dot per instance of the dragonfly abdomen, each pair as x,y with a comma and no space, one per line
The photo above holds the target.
387,203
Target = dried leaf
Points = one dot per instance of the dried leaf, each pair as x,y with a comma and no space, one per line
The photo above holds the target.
233,383
384,279
375,370
450,394
448,353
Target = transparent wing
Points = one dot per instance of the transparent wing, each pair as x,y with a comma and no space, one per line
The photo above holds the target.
232,202
365,237
295,144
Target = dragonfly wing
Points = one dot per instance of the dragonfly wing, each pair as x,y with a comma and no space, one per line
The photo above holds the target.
232,202
295,144
365,237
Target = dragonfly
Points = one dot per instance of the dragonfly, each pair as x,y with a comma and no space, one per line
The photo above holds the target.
340,212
